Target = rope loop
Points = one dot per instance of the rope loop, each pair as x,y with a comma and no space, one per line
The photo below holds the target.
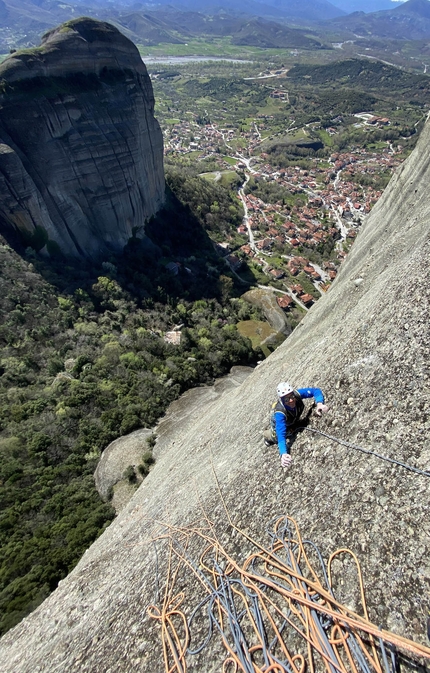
272,611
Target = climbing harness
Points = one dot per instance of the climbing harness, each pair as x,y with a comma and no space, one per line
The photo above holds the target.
291,414
368,451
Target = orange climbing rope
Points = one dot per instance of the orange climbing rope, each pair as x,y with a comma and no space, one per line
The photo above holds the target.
172,621
272,611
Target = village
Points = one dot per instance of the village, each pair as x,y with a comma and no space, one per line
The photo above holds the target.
308,236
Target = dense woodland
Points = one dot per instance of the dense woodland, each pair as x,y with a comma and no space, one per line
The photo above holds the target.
364,75
83,361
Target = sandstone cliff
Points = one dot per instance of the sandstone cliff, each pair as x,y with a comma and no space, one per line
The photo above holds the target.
81,154
367,344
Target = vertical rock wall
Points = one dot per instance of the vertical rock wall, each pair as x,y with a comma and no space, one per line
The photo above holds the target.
81,153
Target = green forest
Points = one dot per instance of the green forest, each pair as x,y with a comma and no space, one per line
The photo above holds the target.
364,75
83,361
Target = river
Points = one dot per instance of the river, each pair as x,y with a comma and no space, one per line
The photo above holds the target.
179,60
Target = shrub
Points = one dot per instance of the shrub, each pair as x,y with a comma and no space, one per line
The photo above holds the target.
143,469
130,474
148,458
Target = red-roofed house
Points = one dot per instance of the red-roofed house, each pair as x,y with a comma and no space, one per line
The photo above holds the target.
307,299
266,243
292,268
285,302
246,249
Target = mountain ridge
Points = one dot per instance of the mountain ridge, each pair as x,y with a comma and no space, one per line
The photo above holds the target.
409,21
310,10
177,27
28,20
367,6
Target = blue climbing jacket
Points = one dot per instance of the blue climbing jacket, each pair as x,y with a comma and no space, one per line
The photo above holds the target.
282,417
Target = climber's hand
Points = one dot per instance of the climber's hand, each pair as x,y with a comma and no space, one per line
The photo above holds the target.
321,409
286,460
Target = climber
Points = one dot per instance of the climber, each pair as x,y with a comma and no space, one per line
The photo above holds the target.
286,411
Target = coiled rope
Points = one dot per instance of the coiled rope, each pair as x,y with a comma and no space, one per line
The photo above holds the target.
271,611
368,451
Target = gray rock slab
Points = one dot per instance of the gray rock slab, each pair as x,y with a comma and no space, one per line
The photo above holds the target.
120,453
193,404
128,450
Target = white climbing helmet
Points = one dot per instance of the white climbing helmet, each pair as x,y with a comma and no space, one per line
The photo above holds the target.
284,388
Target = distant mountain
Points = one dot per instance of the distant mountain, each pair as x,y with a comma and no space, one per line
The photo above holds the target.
350,6
147,29
267,34
408,21
25,14
213,7
3,11
307,11
151,28
24,21
248,22
414,8
180,25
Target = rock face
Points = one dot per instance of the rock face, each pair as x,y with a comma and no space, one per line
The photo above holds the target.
128,450
367,345
81,154
115,459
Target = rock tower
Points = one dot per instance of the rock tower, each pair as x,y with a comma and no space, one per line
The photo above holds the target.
81,154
